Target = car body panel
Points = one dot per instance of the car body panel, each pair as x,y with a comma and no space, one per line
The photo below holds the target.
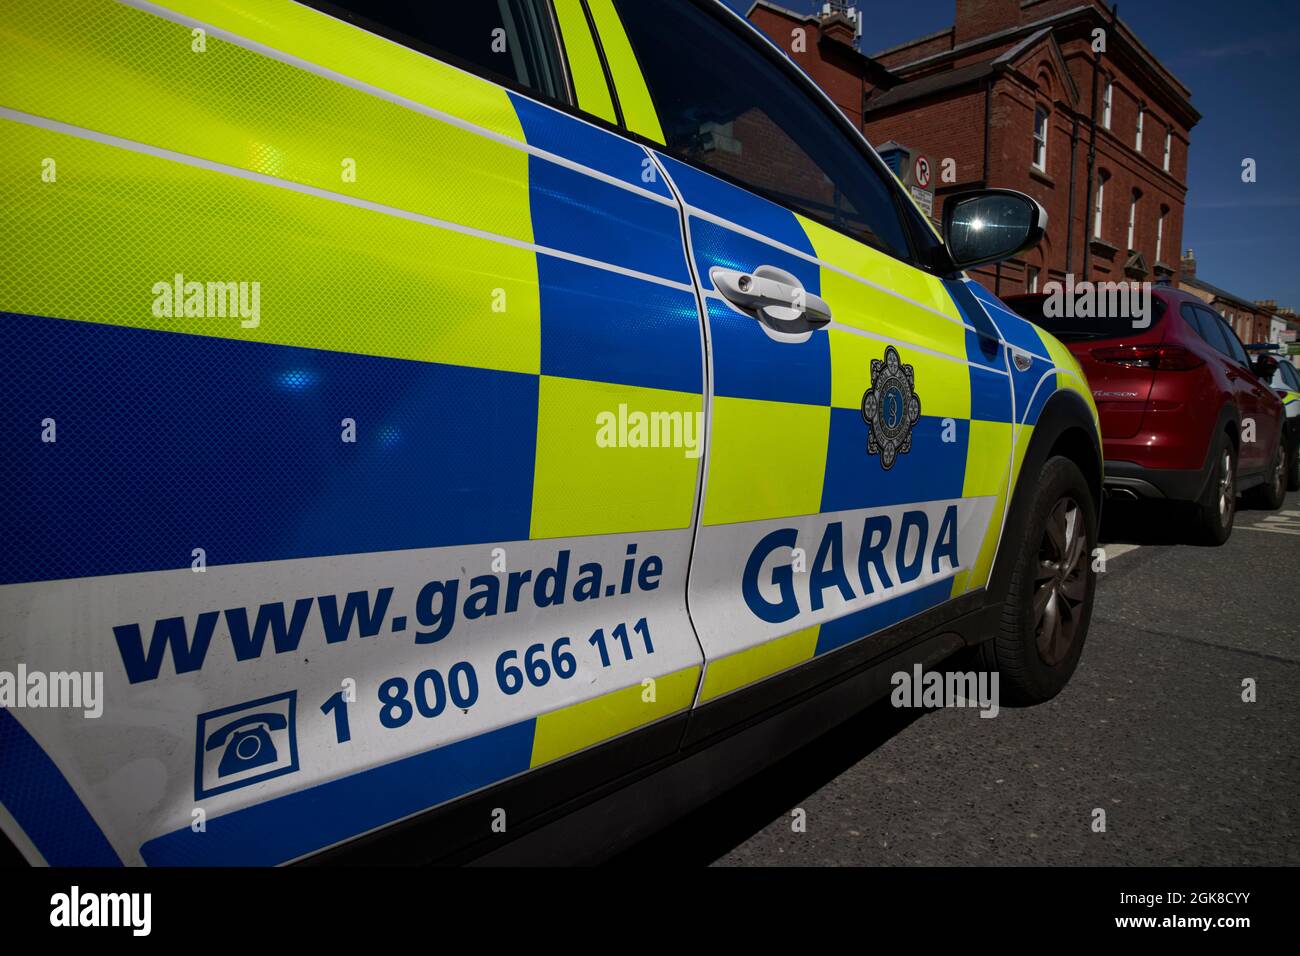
324,556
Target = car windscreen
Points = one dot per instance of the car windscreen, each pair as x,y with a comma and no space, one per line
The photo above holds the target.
1101,315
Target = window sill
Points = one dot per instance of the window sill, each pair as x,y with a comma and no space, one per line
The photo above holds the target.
1104,247
1037,172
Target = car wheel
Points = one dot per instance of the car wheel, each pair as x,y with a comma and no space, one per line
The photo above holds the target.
1215,513
1049,602
1272,493
1293,464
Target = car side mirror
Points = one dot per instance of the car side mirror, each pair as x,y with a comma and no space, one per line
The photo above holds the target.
989,225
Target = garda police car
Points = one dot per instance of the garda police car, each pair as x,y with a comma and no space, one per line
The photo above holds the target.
1276,368
428,434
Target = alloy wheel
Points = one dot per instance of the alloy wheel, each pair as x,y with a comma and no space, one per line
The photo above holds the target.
1061,583
1227,494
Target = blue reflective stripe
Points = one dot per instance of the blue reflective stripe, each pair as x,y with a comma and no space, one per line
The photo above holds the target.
1029,403
717,246
574,213
982,346
304,821
37,796
1018,331
738,206
591,146
170,442
934,470
606,327
851,627
748,364
990,397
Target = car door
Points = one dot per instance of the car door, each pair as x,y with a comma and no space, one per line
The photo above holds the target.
1264,404
857,471
416,517
1248,392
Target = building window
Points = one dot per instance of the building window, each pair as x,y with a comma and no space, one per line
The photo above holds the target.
1108,98
1132,218
1141,118
1040,138
1160,231
1169,145
1097,207
1031,278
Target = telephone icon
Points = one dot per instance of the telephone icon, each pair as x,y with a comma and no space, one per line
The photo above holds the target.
247,741
245,744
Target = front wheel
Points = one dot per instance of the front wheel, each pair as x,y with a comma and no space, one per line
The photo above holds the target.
1049,602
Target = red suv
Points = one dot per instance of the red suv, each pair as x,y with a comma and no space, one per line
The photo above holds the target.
1184,416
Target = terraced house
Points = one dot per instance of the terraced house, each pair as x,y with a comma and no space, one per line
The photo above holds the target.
1056,98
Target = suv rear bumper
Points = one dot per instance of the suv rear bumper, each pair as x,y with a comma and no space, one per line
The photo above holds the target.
1128,479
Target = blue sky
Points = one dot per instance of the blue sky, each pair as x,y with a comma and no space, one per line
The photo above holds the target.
1234,58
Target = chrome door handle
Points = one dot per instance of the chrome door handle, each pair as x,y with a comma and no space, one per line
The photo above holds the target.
774,297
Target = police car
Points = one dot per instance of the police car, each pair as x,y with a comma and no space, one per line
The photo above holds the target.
438,436
1275,367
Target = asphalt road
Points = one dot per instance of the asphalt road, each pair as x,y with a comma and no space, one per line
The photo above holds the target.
1152,729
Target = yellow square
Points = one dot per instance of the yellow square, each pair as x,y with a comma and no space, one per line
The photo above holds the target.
942,384
766,460
598,472
756,663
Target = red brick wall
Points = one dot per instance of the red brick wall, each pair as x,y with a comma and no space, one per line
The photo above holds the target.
912,52
951,127
977,18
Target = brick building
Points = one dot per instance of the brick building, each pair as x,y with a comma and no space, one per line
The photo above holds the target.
1014,95
1258,321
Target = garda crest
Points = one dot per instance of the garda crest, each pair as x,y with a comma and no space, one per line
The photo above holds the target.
890,407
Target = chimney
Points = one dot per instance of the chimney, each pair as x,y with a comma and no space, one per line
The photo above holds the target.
839,22
1269,305
1189,264
979,18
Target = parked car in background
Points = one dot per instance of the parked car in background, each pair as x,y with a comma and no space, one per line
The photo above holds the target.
1286,382
1185,415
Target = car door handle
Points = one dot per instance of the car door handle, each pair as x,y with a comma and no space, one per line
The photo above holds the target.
774,297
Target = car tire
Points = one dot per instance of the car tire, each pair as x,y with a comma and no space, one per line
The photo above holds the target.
1214,515
1270,495
1045,617
1293,464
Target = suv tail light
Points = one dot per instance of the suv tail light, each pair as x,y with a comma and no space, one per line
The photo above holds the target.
1161,358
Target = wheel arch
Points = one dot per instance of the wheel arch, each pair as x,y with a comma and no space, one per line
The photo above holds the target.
1065,427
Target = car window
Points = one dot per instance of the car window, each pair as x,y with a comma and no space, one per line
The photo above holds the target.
511,41
1285,376
733,112
1235,350
1073,328
1198,319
